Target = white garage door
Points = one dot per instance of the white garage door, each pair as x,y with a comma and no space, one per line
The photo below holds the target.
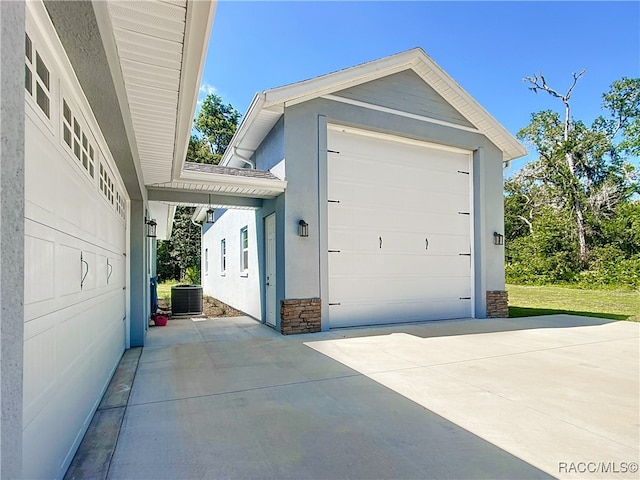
75,268
399,230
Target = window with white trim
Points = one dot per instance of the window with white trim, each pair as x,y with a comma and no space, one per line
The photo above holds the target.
40,82
206,261
244,250
223,256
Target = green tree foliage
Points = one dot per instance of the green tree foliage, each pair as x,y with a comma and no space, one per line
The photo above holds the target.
213,130
167,266
180,255
571,211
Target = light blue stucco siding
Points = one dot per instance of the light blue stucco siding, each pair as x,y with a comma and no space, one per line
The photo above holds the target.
271,150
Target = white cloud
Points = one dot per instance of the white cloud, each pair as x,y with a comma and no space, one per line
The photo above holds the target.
207,89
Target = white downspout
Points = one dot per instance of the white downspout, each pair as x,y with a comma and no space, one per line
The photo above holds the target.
244,159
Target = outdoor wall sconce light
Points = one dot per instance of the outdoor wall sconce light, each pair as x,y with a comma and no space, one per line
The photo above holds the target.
303,228
151,227
498,239
210,214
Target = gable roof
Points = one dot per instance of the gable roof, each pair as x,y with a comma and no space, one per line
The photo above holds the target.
267,107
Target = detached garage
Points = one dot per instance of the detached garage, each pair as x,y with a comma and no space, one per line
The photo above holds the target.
393,196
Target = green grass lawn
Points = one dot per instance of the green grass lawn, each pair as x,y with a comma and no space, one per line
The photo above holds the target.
164,291
527,301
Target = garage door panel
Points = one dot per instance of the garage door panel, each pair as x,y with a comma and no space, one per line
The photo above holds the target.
397,266
354,190
414,198
372,152
368,314
378,220
430,222
394,289
399,217
420,198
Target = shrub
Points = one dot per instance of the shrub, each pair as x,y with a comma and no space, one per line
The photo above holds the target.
192,275
609,268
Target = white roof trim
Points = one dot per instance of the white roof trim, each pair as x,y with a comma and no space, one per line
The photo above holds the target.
416,59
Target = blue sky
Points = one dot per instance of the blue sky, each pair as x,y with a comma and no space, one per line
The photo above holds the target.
487,47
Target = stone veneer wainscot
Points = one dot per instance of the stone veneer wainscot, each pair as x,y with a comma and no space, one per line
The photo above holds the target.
300,315
497,304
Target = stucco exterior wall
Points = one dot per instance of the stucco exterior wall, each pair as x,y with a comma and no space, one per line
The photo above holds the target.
407,92
271,150
239,289
12,19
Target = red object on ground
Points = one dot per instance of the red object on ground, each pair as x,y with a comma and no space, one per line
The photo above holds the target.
160,320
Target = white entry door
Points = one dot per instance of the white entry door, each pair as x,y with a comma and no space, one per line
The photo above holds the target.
270,274
399,220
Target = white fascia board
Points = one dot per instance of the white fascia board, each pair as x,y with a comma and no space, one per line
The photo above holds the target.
218,180
199,21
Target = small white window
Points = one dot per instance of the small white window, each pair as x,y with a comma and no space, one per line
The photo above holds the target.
42,85
223,256
40,82
28,64
244,249
106,185
206,261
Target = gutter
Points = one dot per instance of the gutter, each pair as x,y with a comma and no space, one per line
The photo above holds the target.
244,159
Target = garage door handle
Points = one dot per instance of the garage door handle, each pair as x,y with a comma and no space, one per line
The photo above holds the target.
83,274
380,241
426,243
110,271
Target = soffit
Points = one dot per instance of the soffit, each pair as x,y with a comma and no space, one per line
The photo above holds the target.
149,37
220,185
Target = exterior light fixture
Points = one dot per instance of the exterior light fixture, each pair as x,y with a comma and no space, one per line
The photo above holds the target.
151,227
210,212
303,228
498,239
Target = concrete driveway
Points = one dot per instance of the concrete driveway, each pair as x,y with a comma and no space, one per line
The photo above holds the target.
523,398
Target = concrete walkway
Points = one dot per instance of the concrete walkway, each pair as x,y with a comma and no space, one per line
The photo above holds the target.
231,398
